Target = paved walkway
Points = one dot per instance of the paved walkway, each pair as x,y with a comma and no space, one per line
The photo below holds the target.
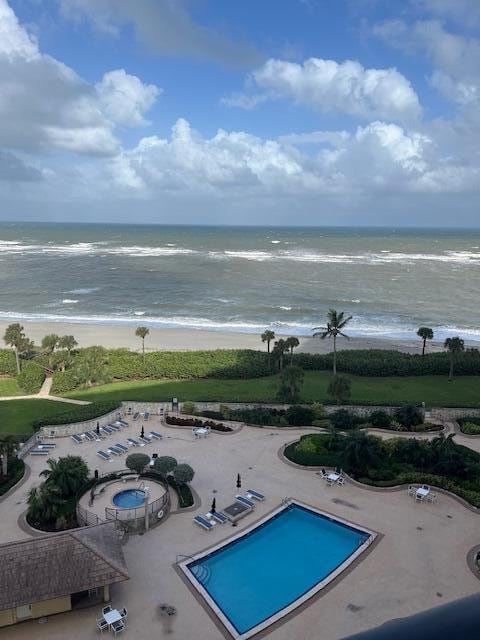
420,561
44,394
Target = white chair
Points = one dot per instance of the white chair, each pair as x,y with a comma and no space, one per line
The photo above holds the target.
432,497
117,627
102,625
123,612
341,481
412,491
418,497
106,609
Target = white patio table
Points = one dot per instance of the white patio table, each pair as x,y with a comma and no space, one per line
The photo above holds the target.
423,493
333,477
112,616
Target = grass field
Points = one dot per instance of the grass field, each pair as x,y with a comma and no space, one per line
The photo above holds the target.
16,416
433,390
9,387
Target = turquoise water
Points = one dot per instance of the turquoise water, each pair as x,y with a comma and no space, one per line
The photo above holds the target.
129,499
255,577
243,279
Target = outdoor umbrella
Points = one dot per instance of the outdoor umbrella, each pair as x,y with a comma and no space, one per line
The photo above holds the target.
214,506
142,432
239,481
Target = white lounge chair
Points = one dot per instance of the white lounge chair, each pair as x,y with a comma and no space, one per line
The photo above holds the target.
203,522
155,435
104,456
245,501
76,439
255,495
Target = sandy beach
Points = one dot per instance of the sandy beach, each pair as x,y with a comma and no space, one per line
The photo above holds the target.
115,336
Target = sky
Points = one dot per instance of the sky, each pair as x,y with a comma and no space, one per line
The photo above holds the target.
291,112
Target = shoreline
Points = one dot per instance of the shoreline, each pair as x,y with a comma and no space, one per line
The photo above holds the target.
115,336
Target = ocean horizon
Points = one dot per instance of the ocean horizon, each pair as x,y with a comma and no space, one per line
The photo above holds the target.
243,279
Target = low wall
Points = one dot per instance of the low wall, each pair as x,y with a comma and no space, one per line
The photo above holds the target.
359,410
65,430
447,413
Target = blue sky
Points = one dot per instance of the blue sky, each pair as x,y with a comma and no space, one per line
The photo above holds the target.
205,111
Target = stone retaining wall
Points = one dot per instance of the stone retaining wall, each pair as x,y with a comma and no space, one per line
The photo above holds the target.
448,413
65,430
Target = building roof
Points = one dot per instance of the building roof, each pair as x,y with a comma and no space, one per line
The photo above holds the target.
60,564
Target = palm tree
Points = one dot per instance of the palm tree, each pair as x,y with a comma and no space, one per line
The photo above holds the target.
360,451
278,351
426,334
43,503
454,346
49,344
340,389
68,474
291,379
7,447
142,332
290,344
67,342
15,338
268,336
91,367
336,322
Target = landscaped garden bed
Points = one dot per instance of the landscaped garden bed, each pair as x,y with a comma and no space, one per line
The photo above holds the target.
15,472
470,425
196,422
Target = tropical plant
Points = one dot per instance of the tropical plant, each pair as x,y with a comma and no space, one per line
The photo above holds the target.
279,349
380,419
340,389
164,465
360,451
142,333
183,473
49,344
267,336
68,343
137,461
15,338
299,416
291,343
291,380
67,474
61,360
409,416
426,334
454,346
336,322
344,420
44,503
92,368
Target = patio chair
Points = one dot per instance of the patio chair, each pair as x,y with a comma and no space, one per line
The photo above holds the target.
146,415
245,501
136,416
122,447
155,435
255,495
203,522
76,439
124,423
89,436
103,456
432,497
117,627
145,440
341,481
114,451
102,625
412,491
218,516
134,443
123,612
418,497
106,609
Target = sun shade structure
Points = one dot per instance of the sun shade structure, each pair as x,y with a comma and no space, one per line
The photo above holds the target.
39,575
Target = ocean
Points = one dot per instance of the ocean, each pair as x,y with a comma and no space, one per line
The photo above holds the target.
243,279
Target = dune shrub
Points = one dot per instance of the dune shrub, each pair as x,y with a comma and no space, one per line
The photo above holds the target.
31,377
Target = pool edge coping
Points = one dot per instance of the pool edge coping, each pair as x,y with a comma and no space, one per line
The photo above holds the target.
320,588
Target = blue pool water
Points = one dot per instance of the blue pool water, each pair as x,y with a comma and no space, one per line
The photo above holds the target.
129,499
260,574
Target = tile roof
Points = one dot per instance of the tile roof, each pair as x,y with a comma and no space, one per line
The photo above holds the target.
60,564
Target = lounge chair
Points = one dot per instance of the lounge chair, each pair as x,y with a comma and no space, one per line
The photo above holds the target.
155,435
145,440
135,443
146,415
103,455
39,452
46,445
124,423
218,516
255,495
203,522
136,416
114,427
122,447
115,451
117,627
76,439
108,430
245,501
89,436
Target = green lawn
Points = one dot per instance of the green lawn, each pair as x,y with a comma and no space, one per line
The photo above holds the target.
9,387
433,390
16,416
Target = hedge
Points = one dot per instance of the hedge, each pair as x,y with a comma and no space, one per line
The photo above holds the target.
31,377
8,365
78,413
16,469
183,491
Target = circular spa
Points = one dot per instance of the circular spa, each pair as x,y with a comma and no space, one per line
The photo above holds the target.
136,503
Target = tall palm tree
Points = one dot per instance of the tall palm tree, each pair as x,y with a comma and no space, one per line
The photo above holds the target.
15,338
68,474
336,322
454,346
49,344
291,343
278,351
426,334
142,332
291,379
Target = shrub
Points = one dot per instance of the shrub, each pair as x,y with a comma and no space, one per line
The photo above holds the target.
380,419
7,363
196,422
16,469
164,465
318,411
137,462
343,419
183,491
471,428
299,416
64,381
340,389
409,416
31,378
189,407
78,413
214,415
291,380
183,473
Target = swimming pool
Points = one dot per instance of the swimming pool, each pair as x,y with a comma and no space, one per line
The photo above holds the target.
129,499
264,573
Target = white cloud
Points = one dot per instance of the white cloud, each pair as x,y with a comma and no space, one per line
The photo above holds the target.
45,105
124,99
164,26
455,58
464,12
328,86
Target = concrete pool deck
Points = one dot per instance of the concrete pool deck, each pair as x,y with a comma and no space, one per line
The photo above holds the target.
419,562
